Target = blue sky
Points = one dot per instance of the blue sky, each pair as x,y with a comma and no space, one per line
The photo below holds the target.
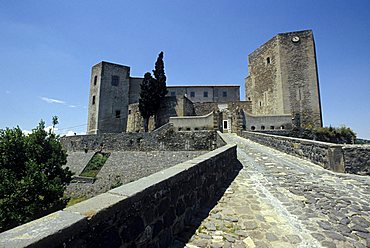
47,49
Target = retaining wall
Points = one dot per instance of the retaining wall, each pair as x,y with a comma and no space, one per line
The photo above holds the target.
164,139
146,213
353,159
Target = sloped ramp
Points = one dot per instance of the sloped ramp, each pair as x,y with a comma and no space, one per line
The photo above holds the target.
76,161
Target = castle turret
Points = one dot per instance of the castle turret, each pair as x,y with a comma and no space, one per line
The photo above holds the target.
109,98
283,78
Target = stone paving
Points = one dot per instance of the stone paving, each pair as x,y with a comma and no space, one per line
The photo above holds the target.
278,200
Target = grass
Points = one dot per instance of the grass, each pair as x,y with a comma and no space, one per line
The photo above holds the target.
95,164
75,200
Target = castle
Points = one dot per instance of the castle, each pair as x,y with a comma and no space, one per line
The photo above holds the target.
282,90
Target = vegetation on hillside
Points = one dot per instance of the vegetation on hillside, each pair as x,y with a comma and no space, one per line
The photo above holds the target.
341,135
152,90
32,180
95,164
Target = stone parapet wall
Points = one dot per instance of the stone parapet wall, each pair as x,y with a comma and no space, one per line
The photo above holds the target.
164,139
146,213
336,157
357,159
191,123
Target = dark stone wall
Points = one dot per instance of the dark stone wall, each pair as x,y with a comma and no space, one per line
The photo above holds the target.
164,138
324,154
149,212
354,159
357,159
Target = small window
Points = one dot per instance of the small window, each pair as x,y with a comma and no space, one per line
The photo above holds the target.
224,94
262,127
192,94
173,93
93,100
272,127
260,104
249,98
205,94
282,127
95,79
118,114
253,128
115,80
129,111
268,60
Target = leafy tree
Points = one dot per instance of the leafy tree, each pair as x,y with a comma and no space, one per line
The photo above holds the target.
152,90
32,180
149,98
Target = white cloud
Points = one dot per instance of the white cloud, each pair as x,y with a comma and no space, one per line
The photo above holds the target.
72,106
26,132
51,128
51,100
72,133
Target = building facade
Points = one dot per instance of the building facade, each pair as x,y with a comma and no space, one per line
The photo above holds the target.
283,78
282,90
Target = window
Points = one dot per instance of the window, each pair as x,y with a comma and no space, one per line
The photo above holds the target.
272,127
282,127
224,94
115,80
192,94
253,128
129,111
268,60
93,100
260,104
118,114
205,94
95,79
173,93
262,127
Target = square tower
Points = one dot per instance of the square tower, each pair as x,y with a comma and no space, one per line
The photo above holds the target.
282,78
109,98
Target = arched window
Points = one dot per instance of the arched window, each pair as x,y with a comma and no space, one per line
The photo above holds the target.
253,128
262,127
93,100
282,127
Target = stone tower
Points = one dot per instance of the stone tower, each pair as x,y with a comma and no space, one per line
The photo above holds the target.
283,78
109,98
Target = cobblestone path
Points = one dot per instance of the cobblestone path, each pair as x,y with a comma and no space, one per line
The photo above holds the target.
278,200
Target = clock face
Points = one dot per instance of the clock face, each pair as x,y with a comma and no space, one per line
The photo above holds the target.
295,39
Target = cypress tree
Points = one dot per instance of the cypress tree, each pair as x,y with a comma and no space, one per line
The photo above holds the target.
160,76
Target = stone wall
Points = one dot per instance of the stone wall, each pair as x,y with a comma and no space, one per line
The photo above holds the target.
357,159
336,157
192,123
146,213
164,138
211,93
170,107
268,122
